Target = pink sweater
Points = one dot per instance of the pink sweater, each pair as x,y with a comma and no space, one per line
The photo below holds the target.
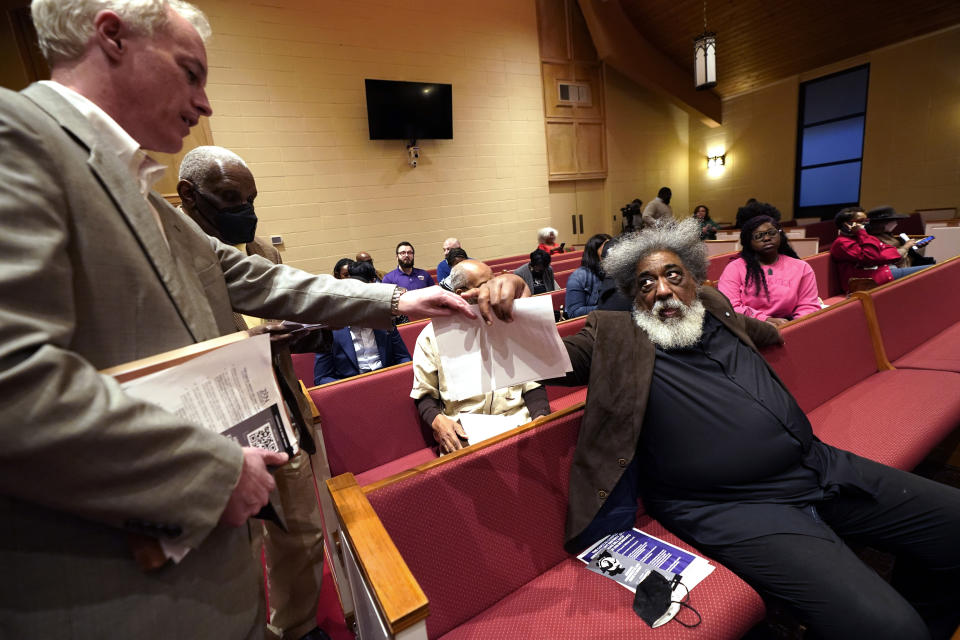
792,287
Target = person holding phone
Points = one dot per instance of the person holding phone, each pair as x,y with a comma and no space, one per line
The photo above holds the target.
881,224
857,254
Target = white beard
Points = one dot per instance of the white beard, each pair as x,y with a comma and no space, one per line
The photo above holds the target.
678,332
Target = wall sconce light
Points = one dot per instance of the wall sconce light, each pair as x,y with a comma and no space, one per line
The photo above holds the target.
716,162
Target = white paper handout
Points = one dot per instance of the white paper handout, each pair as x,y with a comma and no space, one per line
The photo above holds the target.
481,426
230,390
477,358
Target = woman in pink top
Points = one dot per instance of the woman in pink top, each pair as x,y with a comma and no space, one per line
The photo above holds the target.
767,281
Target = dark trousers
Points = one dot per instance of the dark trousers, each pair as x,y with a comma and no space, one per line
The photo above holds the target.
835,594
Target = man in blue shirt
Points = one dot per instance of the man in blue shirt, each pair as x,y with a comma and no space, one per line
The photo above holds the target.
443,268
406,275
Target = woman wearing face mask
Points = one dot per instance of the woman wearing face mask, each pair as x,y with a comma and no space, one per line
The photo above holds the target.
857,254
767,281
881,224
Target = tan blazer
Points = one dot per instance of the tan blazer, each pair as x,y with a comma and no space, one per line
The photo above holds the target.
87,282
615,358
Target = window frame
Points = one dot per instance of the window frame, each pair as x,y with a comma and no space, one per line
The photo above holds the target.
827,211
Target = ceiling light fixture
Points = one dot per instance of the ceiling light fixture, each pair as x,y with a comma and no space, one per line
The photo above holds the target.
705,56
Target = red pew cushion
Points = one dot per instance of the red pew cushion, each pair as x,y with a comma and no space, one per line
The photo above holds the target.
396,466
893,417
570,602
486,530
941,352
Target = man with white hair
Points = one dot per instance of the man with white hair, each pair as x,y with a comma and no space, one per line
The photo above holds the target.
684,411
217,190
95,271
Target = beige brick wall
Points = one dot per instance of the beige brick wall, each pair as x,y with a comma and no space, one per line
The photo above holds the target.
286,85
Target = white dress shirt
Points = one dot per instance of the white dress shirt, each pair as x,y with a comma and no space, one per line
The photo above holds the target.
114,139
365,344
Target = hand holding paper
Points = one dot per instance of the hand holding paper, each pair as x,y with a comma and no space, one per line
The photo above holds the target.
495,297
477,357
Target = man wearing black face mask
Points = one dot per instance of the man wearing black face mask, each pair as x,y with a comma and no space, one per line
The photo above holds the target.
217,191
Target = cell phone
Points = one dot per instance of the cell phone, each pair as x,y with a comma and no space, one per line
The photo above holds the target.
919,243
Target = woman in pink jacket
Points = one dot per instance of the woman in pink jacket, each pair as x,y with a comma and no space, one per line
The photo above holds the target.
768,282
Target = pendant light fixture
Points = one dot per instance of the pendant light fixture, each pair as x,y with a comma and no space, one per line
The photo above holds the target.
705,56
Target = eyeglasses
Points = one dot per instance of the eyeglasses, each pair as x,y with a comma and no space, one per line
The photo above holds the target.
762,235
404,253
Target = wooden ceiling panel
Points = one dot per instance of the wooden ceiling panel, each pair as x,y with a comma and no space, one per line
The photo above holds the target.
760,42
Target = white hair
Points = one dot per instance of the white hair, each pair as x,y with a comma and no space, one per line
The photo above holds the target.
545,233
677,332
206,163
64,27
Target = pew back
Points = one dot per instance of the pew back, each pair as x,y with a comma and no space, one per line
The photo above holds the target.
914,309
828,283
369,420
561,277
825,353
494,499
718,263
303,366
410,331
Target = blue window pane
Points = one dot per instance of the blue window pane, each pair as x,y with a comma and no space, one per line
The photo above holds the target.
835,97
833,142
836,184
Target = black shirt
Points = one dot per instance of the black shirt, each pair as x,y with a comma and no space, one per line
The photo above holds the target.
726,454
539,286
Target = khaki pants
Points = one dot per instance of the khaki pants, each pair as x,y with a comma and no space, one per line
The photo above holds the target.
295,556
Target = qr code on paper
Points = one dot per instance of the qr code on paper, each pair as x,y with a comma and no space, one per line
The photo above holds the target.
263,438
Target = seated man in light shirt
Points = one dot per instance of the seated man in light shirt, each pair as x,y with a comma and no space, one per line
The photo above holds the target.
429,382
357,350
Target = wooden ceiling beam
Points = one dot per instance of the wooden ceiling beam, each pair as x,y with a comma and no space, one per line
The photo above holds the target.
621,46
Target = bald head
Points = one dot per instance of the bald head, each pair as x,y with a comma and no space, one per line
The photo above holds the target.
363,256
450,243
469,274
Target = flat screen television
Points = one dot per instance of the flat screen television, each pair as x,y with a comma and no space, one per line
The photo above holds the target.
409,110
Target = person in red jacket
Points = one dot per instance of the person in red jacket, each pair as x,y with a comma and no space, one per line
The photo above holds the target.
857,254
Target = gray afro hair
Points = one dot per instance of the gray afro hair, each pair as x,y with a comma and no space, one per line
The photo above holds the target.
682,238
